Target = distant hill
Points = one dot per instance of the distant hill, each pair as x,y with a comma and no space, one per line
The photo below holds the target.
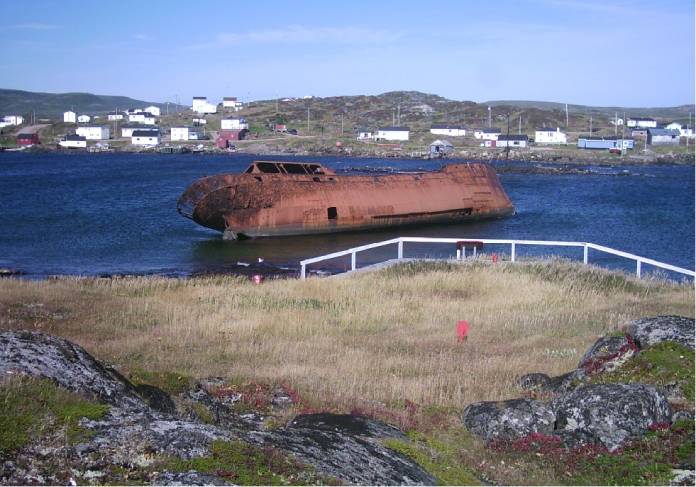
678,112
420,110
54,104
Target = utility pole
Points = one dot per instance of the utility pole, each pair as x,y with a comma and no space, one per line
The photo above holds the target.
307,119
616,124
687,130
398,115
623,134
393,119
590,125
519,127
341,124
489,117
566,107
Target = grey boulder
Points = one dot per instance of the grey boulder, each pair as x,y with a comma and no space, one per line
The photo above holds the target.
508,419
649,331
611,413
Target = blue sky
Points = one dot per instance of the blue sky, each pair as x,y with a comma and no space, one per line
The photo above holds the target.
629,53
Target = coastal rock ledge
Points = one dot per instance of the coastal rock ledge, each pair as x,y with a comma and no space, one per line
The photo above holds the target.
132,435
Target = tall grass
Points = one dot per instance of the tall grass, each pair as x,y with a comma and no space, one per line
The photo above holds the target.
377,338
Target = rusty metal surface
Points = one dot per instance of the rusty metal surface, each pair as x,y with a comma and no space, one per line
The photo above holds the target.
257,203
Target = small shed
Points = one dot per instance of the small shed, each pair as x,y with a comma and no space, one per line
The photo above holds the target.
227,136
440,148
663,137
28,139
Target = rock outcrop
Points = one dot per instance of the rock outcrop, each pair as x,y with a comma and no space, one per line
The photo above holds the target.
611,413
605,414
649,331
607,354
143,424
508,419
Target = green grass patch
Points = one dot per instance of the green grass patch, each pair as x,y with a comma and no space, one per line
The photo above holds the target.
661,364
170,382
34,407
439,457
243,464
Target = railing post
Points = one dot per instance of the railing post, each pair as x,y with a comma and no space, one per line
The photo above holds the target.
400,250
512,252
474,252
585,254
303,272
638,268
459,254
352,261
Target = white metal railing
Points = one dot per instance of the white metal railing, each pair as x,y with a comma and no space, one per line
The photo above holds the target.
463,243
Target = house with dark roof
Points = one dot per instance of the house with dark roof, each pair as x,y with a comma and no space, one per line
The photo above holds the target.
489,133
512,140
73,141
642,122
28,139
147,138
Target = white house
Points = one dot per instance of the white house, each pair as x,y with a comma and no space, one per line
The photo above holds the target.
487,134
69,117
145,138
550,136
686,132
186,133
199,121
128,129
93,132
84,119
142,117
512,140
364,134
451,130
12,120
231,103
233,124
617,121
153,110
73,142
392,133
200,105
115,116
642,122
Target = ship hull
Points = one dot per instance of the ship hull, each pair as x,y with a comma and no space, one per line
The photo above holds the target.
270,205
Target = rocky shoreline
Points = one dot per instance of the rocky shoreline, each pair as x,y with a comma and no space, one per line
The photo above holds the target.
472,154
146,435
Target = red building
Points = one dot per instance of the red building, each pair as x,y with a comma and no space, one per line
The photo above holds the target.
227,136
28,139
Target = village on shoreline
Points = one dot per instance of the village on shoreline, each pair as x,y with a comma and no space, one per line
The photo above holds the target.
273,128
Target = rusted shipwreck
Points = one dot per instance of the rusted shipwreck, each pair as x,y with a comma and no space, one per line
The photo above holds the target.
274,198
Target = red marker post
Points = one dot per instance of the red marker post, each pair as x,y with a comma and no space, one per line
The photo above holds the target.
462,331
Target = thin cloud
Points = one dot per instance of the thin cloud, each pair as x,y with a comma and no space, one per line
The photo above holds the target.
143,37
297,34
34,26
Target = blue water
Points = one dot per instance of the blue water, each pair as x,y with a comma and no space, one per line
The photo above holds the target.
116,213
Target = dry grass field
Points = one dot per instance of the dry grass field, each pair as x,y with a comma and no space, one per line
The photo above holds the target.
374,338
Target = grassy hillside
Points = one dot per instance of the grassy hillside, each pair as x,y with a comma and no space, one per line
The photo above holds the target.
54,104
677,113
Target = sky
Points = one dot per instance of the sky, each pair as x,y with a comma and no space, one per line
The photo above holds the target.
596,52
